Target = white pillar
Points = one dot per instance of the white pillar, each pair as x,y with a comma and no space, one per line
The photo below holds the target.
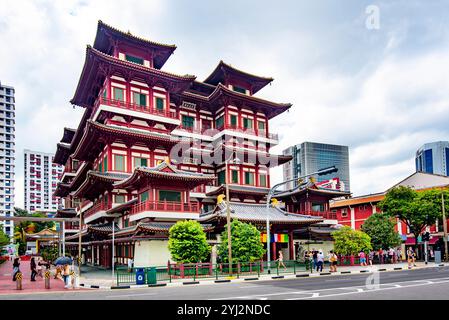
352,218
399,226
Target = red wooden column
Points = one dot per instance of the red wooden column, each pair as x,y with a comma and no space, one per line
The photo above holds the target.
274,254
290,246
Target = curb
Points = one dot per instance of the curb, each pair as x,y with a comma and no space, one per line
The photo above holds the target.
303,275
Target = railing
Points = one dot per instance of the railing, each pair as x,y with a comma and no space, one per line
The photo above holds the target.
324,214
100,206
136,107
195,271
170,206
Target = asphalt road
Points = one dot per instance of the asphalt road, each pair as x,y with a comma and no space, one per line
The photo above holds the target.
430,283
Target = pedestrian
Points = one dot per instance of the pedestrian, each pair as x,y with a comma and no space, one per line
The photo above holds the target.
381,256
315,258
33,269
362,257
15,268
319,261
391,255
371,257
130,265
333,259
66,274
39,267
281,260
410,255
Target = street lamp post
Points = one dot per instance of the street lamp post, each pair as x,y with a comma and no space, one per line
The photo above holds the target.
271,193
444,229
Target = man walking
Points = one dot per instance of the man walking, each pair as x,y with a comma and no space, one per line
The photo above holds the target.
320,261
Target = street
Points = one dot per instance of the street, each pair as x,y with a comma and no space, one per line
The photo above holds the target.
419,284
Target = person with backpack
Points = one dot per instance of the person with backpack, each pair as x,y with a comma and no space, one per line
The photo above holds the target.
333,259
16,268
33,269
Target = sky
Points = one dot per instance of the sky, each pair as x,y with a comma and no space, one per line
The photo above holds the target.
375,80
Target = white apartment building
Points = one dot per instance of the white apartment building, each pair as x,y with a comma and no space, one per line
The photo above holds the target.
41,176
7,155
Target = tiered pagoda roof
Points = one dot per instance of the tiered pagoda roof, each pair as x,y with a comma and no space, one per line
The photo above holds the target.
224,71
106,34
163,173
94,74
256,213
97,135
97,182
310,188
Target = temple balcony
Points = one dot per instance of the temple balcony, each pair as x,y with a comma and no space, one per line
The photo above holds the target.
97,211
240,132
324,214
135,110
164,210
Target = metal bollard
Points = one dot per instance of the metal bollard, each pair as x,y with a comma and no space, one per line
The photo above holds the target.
47,279
19,277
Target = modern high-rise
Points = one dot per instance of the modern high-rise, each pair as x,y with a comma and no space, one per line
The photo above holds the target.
433,158
41,177
309,157
7,155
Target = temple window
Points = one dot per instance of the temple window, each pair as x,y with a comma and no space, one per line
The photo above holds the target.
139,99
140,162
317,207
344,212
187,121
119,199
235,176
221,177
160,102
105,164
119,162
233,121
144,196
119,94
249,178
173,196
247,123
133,59
239,89
261,125
219,122
262,180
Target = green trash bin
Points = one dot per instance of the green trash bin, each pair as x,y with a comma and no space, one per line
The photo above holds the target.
151,276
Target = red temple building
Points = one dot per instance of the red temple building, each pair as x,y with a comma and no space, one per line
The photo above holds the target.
354,211
154,147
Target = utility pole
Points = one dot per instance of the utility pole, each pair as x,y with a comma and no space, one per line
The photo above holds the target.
228,219
444,228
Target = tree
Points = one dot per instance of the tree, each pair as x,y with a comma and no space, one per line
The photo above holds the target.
187,242
246,245
416,209
351,242
4,238
380,227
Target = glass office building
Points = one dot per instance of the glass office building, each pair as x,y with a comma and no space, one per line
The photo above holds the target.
433,158
309,157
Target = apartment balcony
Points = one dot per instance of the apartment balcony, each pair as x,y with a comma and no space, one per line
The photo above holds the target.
165,210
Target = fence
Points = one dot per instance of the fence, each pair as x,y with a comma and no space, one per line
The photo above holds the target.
194,271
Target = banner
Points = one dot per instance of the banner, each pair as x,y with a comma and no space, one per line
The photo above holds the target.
277,237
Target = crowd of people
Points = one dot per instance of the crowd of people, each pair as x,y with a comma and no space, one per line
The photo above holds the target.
316,258
63,272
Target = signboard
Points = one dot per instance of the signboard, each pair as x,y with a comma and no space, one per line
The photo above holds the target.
277,237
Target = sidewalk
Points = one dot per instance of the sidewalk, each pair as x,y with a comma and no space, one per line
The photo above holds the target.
7,286
102,279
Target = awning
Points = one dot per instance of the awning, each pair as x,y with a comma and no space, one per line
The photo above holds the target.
411,241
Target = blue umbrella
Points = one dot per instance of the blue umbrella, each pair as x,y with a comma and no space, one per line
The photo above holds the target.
62,261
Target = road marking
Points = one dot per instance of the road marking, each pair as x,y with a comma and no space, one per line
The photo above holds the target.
131,295
247,287
380,289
